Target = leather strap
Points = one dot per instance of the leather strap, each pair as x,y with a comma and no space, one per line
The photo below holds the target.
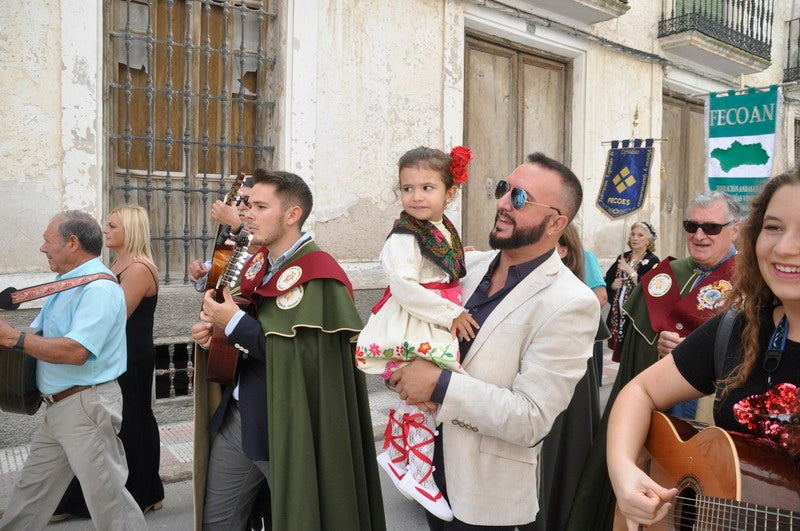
61,395
10,298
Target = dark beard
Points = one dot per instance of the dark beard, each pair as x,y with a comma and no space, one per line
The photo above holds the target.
519,237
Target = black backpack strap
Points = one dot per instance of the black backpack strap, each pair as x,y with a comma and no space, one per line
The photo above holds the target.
722,340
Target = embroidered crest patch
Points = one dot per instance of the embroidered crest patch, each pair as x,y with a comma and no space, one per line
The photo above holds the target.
290,299
288,278
713,296
255,266
659,285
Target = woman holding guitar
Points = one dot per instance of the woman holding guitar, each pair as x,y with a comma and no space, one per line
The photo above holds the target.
755,370
127,234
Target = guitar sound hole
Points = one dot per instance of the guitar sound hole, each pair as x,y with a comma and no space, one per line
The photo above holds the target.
684,514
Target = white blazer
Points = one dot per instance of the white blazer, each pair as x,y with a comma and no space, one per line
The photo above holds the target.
521,372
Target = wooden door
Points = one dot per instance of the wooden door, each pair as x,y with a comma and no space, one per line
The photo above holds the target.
515,103
683,172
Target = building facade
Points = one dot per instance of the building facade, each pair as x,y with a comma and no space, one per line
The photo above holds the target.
161,102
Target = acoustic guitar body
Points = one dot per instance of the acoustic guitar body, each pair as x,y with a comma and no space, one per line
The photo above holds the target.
222,363
725,480
18,392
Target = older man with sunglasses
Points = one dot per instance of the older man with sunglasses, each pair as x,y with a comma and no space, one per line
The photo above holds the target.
673,299
537,327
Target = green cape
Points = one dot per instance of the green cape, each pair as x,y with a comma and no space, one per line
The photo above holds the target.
322,455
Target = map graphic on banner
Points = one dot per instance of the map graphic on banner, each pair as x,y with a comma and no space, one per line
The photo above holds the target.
741,141
624,184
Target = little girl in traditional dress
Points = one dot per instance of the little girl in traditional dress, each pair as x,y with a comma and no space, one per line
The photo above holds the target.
420,314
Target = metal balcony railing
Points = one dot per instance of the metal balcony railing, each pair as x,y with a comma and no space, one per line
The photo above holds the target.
744,24
792,70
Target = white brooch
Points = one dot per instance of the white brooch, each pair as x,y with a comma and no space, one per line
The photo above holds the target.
290,299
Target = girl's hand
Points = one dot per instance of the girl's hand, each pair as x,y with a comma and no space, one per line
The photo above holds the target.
616,284
464,326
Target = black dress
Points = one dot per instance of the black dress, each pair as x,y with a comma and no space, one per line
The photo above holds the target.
616,321
139,430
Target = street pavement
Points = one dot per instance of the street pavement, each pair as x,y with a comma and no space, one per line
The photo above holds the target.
176,466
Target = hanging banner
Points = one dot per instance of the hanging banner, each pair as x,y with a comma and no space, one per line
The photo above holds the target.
624,185
740,132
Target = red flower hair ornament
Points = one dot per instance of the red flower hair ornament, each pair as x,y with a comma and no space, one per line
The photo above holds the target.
459,158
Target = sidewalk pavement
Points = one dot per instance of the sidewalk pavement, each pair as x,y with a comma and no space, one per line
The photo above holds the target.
176,439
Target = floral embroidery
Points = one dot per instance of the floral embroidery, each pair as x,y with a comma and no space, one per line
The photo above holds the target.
403,352
449,256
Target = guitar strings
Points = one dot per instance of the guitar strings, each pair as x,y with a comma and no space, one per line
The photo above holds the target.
722,513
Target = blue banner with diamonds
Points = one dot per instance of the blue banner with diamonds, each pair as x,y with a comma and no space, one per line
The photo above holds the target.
624,185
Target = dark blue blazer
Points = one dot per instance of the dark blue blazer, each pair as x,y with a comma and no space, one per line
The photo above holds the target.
252,377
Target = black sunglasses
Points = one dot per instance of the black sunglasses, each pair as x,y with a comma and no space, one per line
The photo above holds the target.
243,199
519,197
712,229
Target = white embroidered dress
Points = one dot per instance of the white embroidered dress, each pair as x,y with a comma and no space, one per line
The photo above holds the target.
415,321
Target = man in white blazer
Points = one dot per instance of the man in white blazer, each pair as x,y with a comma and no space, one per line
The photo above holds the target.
537,327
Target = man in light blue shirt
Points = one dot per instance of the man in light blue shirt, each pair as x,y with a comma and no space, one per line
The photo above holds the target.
80,347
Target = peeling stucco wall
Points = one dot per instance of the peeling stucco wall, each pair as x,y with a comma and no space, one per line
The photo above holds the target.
363,81
388,77
49,143
30,146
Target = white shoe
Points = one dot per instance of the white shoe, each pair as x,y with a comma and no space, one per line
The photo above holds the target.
431,500
395,471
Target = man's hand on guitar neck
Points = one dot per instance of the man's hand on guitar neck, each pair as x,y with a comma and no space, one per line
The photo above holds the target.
218,313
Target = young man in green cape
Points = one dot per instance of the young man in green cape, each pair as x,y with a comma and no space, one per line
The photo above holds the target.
297,414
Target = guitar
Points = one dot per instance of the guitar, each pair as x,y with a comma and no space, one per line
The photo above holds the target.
725,480
222,357
222,249
18,392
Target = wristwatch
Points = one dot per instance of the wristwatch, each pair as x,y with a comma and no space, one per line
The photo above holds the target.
20,342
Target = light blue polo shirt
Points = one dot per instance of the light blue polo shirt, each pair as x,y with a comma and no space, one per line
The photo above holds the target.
95,316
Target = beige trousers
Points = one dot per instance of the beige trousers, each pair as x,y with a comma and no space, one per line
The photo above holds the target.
77,435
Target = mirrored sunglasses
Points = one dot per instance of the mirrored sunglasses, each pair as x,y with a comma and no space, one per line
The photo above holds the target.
243,199
519,197
712,229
